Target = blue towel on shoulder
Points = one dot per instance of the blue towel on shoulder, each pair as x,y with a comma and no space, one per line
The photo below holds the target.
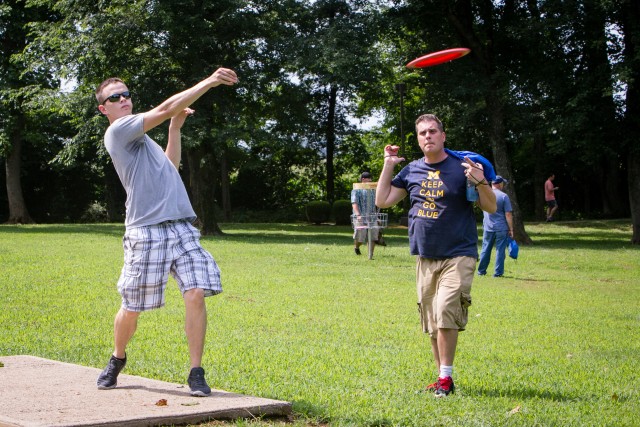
489,172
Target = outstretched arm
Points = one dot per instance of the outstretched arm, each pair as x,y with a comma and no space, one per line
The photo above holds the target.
174,145
182,100
386,194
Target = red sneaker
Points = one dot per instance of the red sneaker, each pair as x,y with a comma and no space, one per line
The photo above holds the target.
432,387
445,386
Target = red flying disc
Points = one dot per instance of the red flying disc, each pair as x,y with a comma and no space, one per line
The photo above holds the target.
437,58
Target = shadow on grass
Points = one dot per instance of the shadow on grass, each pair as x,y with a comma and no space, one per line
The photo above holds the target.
591,240
525,393
309,411
532,393
528,279
246,233
597,235
301,234
316,415
105,229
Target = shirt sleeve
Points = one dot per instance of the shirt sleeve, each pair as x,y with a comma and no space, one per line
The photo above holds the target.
400,180
507,204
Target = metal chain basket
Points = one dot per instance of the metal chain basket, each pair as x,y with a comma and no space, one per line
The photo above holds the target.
376,220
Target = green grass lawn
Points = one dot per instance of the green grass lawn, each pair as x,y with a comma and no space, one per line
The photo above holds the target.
556,342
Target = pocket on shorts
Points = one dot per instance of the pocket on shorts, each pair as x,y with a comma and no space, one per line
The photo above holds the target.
131,264
131,269
423,319
465,302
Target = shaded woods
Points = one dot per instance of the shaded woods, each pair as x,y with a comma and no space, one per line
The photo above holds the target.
549,87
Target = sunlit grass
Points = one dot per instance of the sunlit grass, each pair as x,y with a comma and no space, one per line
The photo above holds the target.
302,319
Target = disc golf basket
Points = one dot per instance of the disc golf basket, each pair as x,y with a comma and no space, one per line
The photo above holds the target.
373,219
369,222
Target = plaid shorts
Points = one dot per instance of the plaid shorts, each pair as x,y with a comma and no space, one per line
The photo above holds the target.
152,252
361,234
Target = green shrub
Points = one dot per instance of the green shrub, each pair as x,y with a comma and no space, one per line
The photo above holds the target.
95,212
341,212
244,215
318,211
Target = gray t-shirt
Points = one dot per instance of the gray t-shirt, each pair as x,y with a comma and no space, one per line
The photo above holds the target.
155,191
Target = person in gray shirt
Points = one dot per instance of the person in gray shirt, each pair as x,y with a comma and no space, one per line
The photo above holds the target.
159,236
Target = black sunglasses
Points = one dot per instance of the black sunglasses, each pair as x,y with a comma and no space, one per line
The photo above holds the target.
115,97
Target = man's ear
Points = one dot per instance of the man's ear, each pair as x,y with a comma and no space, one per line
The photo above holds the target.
102,109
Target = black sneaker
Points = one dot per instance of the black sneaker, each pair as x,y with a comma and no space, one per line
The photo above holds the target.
108,379
445,386
197,383
357,251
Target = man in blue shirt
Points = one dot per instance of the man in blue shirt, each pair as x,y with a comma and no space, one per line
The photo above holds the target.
498,227
442,233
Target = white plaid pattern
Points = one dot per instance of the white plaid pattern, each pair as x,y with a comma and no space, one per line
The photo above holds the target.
152,252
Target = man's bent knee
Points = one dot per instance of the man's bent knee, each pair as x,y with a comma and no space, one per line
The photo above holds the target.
128,314
194,296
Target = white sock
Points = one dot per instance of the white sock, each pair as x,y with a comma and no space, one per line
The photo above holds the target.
446,371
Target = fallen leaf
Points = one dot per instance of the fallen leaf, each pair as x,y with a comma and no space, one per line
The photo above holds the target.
614,397
569,356
515,410
161,402
1,365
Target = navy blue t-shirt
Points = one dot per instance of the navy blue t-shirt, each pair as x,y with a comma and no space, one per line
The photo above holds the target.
441,221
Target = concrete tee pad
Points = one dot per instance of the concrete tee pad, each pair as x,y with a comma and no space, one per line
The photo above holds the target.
41,392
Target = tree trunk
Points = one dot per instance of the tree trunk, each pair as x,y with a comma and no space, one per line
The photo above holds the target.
539,177
614,179
601,119
225,186
503,163
631,30
18,213
115,196
459,17
633,170
202,191
331,142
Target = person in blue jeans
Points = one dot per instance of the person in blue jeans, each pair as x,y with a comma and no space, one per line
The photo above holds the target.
497,228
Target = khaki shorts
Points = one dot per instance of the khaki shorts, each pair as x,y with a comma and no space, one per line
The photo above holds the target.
444,292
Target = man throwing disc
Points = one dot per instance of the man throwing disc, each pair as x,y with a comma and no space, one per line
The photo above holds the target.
159,237
442,234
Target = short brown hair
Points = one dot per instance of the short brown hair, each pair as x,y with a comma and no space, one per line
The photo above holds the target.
430,118
104,84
